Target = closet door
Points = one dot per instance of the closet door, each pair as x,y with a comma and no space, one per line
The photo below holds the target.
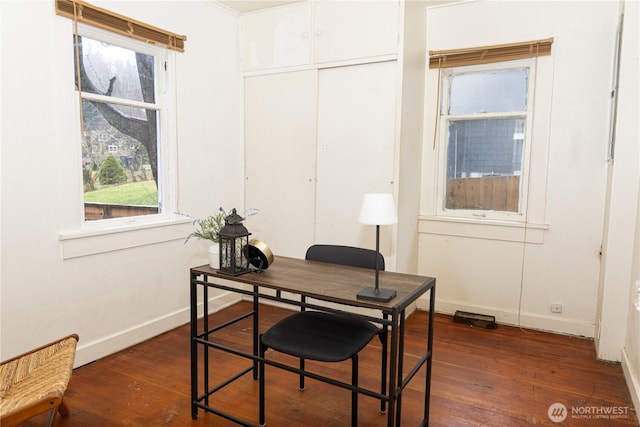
280,132
356,144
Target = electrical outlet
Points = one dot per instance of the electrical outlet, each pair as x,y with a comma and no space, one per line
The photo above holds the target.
556,308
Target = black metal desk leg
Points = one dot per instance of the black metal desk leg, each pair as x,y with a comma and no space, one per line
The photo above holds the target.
205,322
400,368
194,347
427,390
384,337
261,387
393,369
256,331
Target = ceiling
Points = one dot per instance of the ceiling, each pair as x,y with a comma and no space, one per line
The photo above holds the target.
242,6
249,5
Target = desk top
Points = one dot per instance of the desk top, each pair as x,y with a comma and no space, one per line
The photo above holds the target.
331,282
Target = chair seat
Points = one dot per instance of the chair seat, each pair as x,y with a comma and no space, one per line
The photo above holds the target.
321,336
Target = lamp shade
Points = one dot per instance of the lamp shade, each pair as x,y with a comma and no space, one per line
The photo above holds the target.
378,209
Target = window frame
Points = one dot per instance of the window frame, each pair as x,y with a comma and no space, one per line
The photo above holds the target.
444,80
164,62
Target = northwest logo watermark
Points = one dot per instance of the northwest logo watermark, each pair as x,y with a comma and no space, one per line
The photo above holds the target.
558,412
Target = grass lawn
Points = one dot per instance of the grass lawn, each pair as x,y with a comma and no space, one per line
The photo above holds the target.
144,193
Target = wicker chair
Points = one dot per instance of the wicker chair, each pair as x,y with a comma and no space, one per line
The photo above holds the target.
35,382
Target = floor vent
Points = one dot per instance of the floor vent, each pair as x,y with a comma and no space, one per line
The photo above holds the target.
476,320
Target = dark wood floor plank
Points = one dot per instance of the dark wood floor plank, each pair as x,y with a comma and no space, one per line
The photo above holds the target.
504,377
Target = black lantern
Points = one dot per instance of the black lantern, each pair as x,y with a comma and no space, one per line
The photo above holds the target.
234,238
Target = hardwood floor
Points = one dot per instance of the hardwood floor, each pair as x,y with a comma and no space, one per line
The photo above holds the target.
503,377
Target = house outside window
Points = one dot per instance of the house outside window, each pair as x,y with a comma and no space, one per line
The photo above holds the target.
485,115
125,126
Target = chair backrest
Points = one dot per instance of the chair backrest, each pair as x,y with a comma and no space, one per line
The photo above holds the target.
345,255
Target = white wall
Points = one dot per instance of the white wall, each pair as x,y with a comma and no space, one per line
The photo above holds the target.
620,213
631,350
120,297
409,157
628,137
489,269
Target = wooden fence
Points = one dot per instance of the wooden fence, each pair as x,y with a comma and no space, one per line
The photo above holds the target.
493,193
93,211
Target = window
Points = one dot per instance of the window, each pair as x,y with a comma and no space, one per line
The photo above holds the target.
125,115
124,120
484,121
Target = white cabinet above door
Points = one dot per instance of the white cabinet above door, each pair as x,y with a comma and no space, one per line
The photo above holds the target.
320,33
277,37
350,30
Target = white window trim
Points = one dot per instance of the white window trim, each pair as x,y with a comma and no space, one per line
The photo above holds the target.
83,243
79,237
534,223
441,144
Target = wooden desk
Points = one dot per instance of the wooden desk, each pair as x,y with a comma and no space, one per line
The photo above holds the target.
320,281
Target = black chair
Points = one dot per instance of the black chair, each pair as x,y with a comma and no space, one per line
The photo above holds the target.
328,337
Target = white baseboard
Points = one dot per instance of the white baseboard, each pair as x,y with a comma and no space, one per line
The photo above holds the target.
526,320
632,378
88,352
99,348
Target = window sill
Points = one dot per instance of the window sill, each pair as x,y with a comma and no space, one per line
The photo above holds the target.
483,229
92,242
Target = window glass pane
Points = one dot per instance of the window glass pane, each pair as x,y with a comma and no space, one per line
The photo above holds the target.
484,164
115,71
119,163
119,141
489,92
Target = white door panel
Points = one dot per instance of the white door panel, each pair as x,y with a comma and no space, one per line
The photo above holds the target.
280,131
356,134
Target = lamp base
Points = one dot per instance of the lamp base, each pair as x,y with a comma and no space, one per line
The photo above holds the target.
373,294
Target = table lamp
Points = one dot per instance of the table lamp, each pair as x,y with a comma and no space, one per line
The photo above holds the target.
377,209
